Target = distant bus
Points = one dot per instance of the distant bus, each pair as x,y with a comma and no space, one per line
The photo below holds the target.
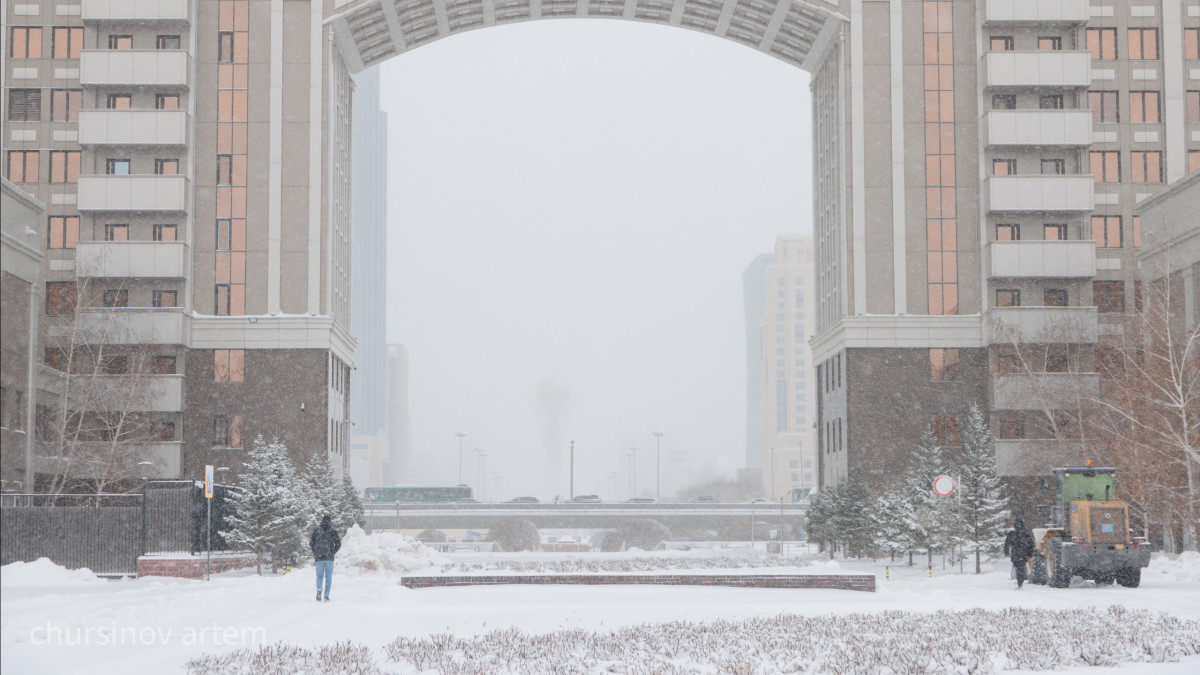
417,493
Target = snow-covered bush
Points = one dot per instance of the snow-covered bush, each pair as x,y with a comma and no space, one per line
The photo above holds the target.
431,536
643,533
515,534
384,552
341,657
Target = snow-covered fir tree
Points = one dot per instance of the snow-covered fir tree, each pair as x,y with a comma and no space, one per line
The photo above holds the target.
269,512
983,510
324,491
891,518
351,504
855,523
923,526
822,512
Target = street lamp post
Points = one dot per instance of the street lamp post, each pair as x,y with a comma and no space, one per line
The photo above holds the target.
145,495
461,435
632,472
658,465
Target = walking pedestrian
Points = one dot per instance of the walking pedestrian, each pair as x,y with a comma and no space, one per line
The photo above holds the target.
325,543
1018,546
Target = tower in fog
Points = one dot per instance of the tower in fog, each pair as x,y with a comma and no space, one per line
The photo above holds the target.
553,401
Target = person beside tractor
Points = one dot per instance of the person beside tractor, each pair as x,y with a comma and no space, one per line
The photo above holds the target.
1018,546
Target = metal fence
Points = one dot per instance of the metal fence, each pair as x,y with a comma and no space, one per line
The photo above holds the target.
107,533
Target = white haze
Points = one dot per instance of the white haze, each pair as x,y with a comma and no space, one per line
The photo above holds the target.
578,199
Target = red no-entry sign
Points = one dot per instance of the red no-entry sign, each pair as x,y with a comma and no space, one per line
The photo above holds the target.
943,485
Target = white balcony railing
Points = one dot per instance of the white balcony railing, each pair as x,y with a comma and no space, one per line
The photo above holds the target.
1035,456
1038,69
133,127
1074,192
167,11
1039,127
1037,11
1041,390
124,259
1066,259
133,325
132,193
1041,325
133,67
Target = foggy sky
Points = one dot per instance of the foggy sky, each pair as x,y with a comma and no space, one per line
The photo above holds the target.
578,199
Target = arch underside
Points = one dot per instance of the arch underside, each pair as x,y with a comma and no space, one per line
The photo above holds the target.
372,31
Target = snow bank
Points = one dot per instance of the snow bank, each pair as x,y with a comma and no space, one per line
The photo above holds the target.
1184,568
363,553
43,572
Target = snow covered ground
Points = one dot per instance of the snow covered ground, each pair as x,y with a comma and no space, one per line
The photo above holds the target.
53,620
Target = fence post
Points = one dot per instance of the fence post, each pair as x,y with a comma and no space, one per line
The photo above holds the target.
145,494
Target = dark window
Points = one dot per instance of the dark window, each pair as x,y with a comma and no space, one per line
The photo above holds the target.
1004,102
1008,297
116,298
164,431
224,169
221,431
1057,359
56,358
1109,296
1056,297
24,105
225,47
946,430
1012,427
164,365
167,42
222,300
1053,167
114,365
1050,102
61,297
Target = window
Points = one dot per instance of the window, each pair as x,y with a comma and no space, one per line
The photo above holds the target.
1007,364
1049,44
64,166
1193,105
167,42
1004,102
1008,232
1008,297
1053,167
163,365
64,231
1057,359
120,42
67,42
1137,232
1104,107
1050,102
1143,44
64,104
24,105
120,101
1137,297
116,298
114,365
1012,427
166,101
1106,231
1002,43
221,294
164,431
1106,166
116,232
165,232
1004,167
1054,232
943,365
1055,297
1147,166
1102,43
946,430
23,166
1193,160
225,47
166,299
1143,106
1191,43
56,358
220,431
223,234
166,167
225,171
1109,296
26,42
117,167
60,297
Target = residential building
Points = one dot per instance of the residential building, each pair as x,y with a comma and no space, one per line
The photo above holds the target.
754,301
788,394
1171,251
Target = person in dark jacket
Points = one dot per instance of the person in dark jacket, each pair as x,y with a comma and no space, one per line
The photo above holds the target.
325,543
1018,546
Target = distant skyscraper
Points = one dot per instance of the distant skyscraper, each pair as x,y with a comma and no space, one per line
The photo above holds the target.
398,424
369,275
788,380
553,399
754,294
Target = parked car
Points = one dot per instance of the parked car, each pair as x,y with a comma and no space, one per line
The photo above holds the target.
760,500
587,499
522,500
703,498
641,500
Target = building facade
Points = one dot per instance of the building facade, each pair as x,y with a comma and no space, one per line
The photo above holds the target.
788,393
754,302
1171,254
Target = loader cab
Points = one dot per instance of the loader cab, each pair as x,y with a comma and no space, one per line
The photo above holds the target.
1077,484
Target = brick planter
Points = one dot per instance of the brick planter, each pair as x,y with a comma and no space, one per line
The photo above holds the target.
190,567
846,582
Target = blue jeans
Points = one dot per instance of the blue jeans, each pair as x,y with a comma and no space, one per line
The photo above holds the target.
324,571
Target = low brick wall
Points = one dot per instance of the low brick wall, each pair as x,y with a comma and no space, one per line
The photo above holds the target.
191,568
846,582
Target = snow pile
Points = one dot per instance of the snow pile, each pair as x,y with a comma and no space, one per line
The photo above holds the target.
972,641
43,572
1184,568
384,552
634,564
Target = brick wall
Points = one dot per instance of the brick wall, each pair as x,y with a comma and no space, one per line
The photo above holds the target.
190,568
847,582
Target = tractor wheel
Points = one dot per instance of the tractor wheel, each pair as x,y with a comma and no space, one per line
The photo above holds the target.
1129,577
1059,576
1038,573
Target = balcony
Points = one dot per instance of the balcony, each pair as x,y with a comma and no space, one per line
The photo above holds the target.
1042,193
133,325
125,259
94,459
1041,325
1041,390
132,193
133,127
1035,456
1036,11
1031,259
1038,69
133,67
1039,127
162,11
